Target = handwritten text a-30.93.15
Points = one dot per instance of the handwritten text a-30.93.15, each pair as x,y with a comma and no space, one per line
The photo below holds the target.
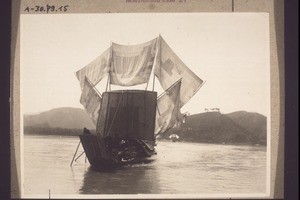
47,8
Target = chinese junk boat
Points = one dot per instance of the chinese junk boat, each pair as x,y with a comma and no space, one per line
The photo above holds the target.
127,121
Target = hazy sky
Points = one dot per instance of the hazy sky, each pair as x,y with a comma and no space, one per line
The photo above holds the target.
230,51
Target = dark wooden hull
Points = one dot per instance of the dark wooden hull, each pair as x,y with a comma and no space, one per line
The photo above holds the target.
125,129
109,153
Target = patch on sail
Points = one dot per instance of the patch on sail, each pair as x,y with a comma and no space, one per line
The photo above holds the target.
96,70
132,65
168,109
169,68
91,100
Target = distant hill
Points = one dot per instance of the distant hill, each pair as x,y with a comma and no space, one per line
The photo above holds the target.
238,127
255,123
66,117
212,127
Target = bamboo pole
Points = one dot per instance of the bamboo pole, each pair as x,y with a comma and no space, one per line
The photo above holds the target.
169,88
110,64
153,82
158,109
75,153
147,84
108,79
79,156
93,87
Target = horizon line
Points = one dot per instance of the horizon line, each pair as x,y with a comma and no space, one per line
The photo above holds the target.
209,110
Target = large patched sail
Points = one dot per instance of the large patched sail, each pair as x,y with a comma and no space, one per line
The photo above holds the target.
132,64
168,109
128,65
95,70
169,68
91,100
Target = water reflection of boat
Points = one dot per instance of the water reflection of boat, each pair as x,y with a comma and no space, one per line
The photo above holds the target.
134,179
128,120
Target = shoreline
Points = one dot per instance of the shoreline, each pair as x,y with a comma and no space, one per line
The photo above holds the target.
160,140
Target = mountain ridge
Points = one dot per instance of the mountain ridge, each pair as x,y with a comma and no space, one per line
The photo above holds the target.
64,117
235,127
216,127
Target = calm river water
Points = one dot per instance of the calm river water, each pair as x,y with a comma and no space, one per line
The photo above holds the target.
178,168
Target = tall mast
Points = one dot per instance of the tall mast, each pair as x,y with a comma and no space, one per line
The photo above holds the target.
107,83
110,63
153,82
147,83
158,50
154,62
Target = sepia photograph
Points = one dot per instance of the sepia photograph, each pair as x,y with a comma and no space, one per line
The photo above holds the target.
145,105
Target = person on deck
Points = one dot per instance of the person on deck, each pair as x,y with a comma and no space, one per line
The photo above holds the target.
86,131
